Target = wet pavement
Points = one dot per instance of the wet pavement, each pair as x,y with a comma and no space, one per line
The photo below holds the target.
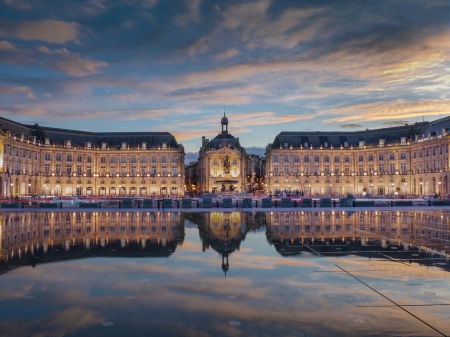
323,273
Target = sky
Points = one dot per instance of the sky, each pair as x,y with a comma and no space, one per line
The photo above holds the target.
176,65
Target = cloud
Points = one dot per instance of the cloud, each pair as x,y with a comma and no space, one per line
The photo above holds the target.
228,54
351,126
5,45
379,111
71,63
12,90
51,31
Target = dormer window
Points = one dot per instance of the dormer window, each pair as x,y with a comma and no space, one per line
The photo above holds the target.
46,141
362,144
285,145
164,146
346,144
403,140
381,142
325,145
22,137
68,144
305,145
88,145
104,146
144,146
123,146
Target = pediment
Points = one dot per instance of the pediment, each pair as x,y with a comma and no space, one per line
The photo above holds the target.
225,150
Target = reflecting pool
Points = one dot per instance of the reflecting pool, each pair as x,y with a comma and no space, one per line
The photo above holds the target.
327,273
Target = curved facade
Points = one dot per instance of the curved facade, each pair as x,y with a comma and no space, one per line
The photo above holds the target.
51,161
405,160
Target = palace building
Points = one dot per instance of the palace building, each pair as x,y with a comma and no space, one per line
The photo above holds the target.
51,161
223,165
404,160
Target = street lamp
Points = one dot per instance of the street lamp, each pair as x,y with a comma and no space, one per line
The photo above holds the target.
57,190
29,189
12,190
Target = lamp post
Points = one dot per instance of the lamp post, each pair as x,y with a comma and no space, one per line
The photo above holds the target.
29,189
12,190
57,190
45,190
439,187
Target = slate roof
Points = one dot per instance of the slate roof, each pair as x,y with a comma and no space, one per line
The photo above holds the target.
224,140
58,136
371,137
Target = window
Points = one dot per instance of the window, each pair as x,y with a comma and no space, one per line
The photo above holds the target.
296,159
275,169
153,171
336,159
327,169
153,159
47,169
123,159
133,169
112,160
123,169
370,158
380,157
174,170
164,169
79,169
69,169
113,169
89,159
403,155
306,159
133,159
316,159
234,162
326,159
174,159
361,169
346,159
79,159
403,167
275,159
361,158
143,159
392,167
286,169
381,167
163,159
69,157
144,169
58,157
89,170
102,160
102,169
47,156
391,156
286,159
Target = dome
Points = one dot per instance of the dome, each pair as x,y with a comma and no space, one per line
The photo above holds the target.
224,120
223,140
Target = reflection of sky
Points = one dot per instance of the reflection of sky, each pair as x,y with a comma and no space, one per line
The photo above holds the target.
187,293
277,65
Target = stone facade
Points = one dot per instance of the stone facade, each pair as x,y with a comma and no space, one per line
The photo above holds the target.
223,165
406,160
48,161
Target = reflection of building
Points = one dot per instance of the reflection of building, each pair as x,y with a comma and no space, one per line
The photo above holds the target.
410,159
223,232
222,166
66,235
336,231
43,160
